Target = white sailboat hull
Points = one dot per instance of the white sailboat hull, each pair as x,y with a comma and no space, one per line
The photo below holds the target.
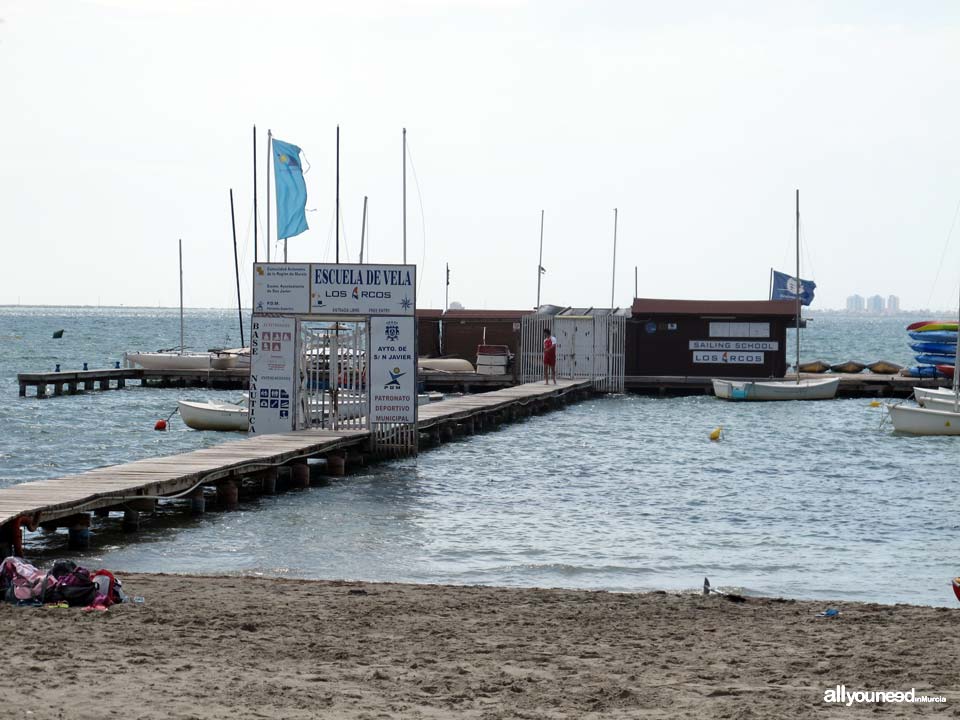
169,361
923,421
213,415
942,402
814,389
922,394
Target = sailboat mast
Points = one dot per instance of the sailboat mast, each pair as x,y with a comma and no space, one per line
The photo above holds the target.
236,268
363,228
797,288
540,261
180,249
404,196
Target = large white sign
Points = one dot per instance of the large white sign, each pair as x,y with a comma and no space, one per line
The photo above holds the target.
273,350
723,357
734,345
393,370
363,289
740,329
281,288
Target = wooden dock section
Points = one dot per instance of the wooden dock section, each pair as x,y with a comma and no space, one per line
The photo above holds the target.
252,466
72,382
851,384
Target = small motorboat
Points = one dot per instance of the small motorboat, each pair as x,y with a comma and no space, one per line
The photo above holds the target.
809,389
446,365
215,415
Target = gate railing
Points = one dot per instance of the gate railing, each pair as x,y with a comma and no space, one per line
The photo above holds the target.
588,347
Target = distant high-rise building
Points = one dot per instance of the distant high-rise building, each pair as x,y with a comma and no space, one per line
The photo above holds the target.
855,303
893,304
875,304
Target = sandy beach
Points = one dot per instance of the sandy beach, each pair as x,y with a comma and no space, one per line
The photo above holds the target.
229,647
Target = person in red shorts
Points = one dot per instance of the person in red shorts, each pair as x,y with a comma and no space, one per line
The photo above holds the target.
549,357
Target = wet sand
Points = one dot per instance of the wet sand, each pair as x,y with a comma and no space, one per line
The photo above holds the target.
227,647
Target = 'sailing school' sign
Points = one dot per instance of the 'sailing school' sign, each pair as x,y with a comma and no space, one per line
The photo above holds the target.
363,289
743,345
725,357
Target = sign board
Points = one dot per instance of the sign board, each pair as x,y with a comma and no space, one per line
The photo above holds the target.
273,354
363,289
393,370
734,345
281,288
723,357
740,329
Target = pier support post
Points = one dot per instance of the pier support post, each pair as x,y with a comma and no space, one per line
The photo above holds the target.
446,432
228,496
88,384
268,481
121,383
198,503
72,387
300,476
102,512
283,479
78,527
23,390
41,389
105,384
6,539
131,520
336,465
58,388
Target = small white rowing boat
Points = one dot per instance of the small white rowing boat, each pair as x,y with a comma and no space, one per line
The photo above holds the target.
813,389
214,415
923,421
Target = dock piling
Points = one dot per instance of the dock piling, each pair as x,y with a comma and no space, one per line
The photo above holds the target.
78,528
336,465
300,476
198,503
228,496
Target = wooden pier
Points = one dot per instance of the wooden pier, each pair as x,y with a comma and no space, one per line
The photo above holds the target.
72,382
851,384
255,465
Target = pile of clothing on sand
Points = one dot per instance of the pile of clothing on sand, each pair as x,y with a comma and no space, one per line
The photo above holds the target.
66,584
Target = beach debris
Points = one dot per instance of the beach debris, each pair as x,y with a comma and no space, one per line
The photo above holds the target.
717,434
956,587
829,612
732,597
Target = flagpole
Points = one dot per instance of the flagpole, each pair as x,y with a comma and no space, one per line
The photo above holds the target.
635,282
338,194
363,228
540,261
797,288
236,267
269,153
180,249
446,295
613,282
255,198
404,196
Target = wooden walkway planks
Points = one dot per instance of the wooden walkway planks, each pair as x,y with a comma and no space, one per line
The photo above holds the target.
168,475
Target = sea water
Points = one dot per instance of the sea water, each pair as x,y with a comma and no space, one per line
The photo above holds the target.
805,500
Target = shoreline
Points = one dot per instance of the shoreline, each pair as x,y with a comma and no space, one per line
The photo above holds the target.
218,646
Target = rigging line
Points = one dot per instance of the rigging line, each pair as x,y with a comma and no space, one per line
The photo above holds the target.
943,254
326,252
343,234
423,219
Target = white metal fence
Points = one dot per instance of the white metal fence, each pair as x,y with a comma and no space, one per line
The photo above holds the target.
588,347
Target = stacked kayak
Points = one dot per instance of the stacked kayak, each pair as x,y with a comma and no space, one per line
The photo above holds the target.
935,345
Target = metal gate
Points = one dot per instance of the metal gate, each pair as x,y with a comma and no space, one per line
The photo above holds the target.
589,347
333,375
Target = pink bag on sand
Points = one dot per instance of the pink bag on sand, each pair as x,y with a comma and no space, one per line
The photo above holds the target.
22,581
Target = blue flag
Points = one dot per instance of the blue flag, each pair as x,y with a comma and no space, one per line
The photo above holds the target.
291,190
785,288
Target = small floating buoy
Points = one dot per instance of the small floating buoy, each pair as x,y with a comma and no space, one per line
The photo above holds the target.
717,434
161,425
875,403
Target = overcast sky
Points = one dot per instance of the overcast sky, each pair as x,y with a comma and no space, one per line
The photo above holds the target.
126,123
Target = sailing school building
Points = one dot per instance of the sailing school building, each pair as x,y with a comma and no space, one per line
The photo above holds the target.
709,338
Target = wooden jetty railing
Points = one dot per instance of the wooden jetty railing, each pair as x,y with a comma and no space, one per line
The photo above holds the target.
254,465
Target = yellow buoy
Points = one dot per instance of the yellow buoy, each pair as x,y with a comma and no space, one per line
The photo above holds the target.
716,434
875,403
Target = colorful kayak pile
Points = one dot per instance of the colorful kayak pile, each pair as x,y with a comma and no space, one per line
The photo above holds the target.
935,345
